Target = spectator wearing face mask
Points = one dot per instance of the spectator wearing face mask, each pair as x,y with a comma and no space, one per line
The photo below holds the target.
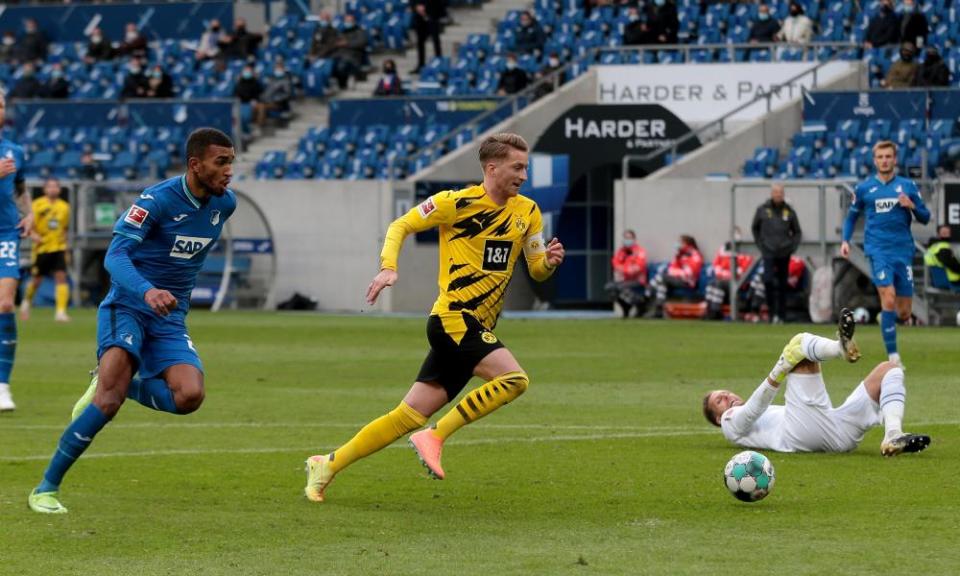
629,275
683,272
33,43
903,72
324,38
99,48
134,44
248,89
57,86
797,27
209,46
389,84
933,72
9,53
351,47
765,28
159,83
27,85
913,25
553,64
277,93
634,33
135,84
884,27
514,79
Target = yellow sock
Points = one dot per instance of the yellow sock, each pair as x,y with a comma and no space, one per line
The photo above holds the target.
30,292
61,296
376,435
482,401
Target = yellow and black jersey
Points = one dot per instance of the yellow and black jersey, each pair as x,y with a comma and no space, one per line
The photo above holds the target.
479,246
51,220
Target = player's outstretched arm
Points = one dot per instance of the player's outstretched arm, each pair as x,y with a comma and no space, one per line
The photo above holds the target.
850,222
742,419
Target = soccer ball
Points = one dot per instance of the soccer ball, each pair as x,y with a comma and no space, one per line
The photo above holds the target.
749,476
958,318
861,315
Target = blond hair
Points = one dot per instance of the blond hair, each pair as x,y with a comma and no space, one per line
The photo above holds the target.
885,144
497,146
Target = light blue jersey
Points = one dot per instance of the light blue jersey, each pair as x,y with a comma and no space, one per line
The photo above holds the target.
887,230
175,231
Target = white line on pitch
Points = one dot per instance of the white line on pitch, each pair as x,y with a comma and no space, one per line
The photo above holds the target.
175,425
315,449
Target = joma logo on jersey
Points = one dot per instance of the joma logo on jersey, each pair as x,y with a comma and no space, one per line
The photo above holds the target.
186,247
884,204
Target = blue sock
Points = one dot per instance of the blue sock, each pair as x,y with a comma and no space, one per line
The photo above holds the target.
8,344
888,327
76,438
152,393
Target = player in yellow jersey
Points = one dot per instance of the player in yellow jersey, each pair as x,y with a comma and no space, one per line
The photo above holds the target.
483,229
51,222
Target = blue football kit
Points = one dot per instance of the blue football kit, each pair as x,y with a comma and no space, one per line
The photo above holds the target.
161,241
888,241
9,215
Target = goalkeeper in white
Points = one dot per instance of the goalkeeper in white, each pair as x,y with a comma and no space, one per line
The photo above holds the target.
808,422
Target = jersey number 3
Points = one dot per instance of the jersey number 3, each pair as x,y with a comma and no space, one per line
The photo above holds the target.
496,255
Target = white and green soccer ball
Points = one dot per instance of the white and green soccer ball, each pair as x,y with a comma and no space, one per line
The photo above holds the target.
749,476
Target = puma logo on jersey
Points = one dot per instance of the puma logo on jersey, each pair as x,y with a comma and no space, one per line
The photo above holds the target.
186,247
883,205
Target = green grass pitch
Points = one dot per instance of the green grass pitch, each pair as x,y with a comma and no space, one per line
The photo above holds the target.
605,466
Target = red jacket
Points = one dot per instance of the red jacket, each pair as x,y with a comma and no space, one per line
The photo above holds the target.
630,264
721,264
686,265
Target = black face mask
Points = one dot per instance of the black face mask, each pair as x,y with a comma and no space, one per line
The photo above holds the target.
906,56
794,12
389,70
887,9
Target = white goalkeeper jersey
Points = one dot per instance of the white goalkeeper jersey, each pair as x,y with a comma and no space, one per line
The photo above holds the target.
757,424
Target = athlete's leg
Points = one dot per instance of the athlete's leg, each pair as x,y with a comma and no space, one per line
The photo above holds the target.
8,339
888,320
810,347
904,306
116,370
29,292
61,295
885,386
505,381
375,436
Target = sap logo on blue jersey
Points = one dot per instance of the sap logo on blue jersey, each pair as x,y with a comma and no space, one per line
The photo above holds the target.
885,204
186,247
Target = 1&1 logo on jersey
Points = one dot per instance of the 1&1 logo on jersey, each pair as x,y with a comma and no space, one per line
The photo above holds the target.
186,247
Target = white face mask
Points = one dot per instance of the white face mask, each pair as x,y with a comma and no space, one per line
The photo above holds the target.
132,35
554,62
629,242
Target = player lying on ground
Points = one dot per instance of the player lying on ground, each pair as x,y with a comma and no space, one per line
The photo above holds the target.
808,422
143,346
483,229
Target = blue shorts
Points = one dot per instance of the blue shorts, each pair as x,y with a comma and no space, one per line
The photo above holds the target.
10,255
156,342
887,271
